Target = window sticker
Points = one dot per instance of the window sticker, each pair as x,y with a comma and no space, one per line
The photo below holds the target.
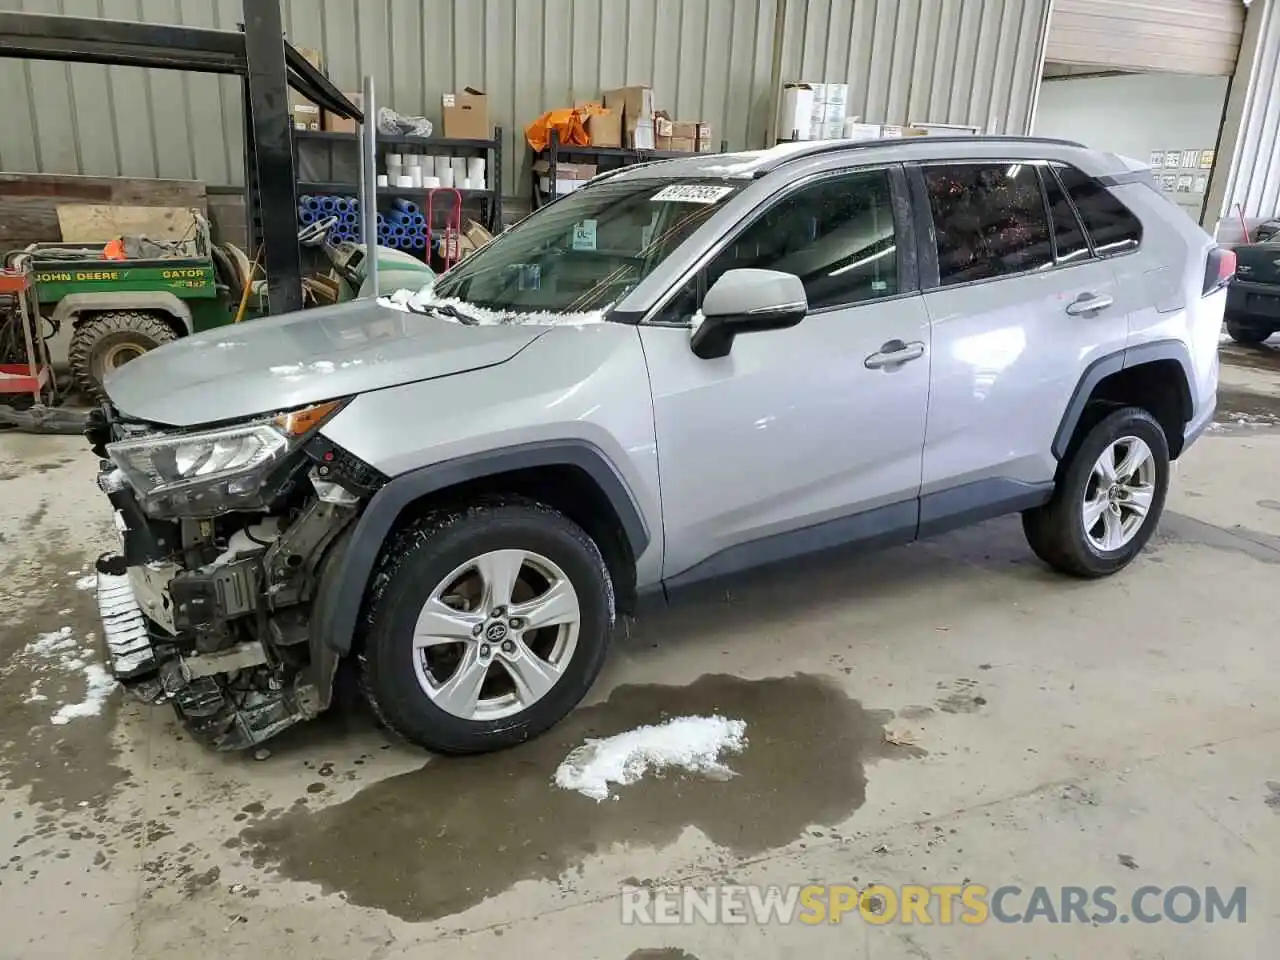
584,235
691,193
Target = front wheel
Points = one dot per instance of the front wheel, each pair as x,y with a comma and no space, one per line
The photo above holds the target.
1108,500
487,626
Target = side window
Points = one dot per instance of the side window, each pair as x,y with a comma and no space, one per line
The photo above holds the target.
1112,227
837,235
990,220
1069,242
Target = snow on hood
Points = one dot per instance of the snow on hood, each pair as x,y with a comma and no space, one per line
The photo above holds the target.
691,744
412,300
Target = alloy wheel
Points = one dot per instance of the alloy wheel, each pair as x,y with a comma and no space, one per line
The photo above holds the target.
1119,494
496,635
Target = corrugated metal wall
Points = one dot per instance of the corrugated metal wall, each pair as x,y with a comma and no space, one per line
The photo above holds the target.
1252,129
958,61
974,62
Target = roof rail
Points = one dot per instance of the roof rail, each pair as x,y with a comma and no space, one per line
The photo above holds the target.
834,146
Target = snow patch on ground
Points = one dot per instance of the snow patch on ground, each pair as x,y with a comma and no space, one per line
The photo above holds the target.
47,645
99,686
690,744
59,650
411,301
87,582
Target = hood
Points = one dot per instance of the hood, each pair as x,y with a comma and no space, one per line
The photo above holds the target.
261,366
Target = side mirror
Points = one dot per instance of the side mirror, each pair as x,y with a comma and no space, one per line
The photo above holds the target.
747,301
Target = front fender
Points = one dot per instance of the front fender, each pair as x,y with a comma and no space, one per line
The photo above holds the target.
341,598
155,300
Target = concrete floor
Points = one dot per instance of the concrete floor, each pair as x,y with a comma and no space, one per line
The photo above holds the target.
945,712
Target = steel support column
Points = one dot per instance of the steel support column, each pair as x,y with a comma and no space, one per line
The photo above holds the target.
272,128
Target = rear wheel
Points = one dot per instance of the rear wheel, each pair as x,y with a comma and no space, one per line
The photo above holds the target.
486,627
1108,499
108,341
1242,331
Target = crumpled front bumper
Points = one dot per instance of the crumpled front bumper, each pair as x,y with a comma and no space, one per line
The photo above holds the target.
125,627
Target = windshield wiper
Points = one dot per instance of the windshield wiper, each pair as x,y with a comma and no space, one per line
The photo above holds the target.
447,310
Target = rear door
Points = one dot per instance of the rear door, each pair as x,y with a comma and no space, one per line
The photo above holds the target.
1020,305
798,427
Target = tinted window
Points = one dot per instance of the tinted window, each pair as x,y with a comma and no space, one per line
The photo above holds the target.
1069,241
1111,226
836,235
990,220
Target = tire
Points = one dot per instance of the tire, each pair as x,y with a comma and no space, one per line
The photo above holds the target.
420,564
1243,332
109,340
1057,532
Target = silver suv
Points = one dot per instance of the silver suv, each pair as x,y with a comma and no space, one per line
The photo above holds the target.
680,371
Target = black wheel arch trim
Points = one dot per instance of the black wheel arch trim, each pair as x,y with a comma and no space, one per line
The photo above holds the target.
1104,367
337,609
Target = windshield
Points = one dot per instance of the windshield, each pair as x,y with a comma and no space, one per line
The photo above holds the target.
586,251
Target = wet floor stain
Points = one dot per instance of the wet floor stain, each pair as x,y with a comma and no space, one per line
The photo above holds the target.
76,764
1180,528
661,953
1272,798
1234,403
1265,356
401,845
962,697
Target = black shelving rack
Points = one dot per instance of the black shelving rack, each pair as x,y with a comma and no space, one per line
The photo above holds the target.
605,158
491,150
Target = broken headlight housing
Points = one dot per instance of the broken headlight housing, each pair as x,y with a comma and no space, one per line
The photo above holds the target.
210,472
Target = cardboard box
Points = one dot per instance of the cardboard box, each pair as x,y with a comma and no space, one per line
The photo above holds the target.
707,145
854,130
795,114
634,103
605,129
303,113
683,144
569,176
466,115
641,137
336,124
664,126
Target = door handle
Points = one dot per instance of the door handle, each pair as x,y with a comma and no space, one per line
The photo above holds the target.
1088,303
894,352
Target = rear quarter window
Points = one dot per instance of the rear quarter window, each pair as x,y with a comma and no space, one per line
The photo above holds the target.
1111,225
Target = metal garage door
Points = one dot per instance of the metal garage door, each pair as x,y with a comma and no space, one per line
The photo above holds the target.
1179,36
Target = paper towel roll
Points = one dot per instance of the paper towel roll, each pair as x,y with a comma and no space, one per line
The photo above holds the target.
445,176
395,160
459,165
384,180
466,184
440,165
415,176
430,183
403,181
475,172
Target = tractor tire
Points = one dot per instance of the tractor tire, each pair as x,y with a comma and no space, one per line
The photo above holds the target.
110,340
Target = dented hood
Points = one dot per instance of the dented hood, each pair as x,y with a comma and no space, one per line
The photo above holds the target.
262,366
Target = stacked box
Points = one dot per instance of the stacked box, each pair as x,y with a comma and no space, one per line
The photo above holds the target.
636,106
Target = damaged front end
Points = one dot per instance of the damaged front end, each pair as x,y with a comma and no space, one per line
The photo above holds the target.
227,536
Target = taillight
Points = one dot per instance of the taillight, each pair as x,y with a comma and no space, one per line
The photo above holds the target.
1219,269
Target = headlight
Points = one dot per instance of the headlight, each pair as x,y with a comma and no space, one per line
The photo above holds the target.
213,471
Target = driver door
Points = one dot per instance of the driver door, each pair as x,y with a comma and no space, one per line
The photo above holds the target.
803,438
